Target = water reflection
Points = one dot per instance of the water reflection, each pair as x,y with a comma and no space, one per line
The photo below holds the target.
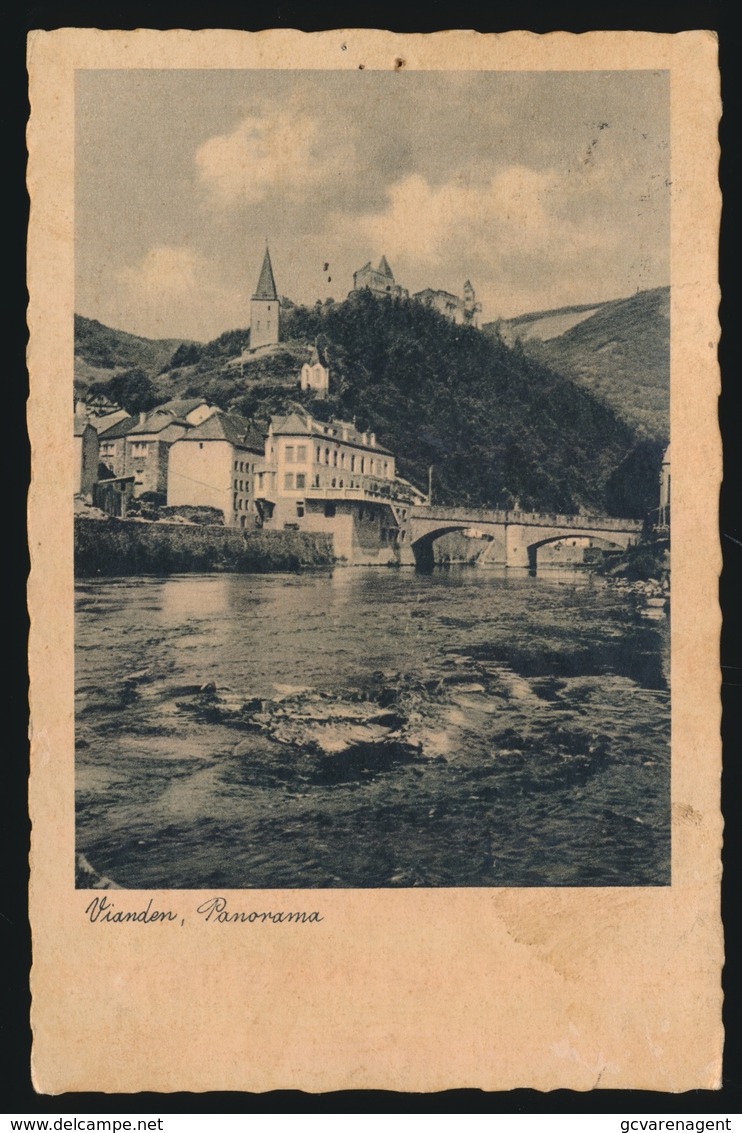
371,727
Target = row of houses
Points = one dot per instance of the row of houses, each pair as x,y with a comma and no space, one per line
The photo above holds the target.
297,472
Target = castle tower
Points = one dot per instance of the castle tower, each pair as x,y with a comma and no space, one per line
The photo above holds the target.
380,280
471,307
265,309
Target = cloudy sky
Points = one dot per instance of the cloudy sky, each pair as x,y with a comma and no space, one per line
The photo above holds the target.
543,189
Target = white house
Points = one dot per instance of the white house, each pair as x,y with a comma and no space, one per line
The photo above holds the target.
214,464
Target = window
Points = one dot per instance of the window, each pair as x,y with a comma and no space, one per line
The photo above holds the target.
288,481
335,458
301,480
200,444
334,482
327,456
289,454
301,454
319,454
342,460
234,502
363,464
300,509
139,448
352,463
329,511
316,480
235,466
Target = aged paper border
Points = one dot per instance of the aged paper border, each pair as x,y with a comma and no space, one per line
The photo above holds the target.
413,990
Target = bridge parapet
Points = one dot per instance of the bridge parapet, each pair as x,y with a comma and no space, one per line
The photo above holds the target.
525,518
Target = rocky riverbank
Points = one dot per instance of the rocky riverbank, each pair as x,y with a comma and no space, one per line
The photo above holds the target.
651,596
642,572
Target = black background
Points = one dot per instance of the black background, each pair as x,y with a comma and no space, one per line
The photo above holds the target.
16,1092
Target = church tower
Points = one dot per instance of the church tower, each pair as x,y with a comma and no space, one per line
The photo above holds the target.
265,309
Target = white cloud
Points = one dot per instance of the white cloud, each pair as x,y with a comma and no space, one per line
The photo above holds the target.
519,234
165,270
516,210
169,294
279,152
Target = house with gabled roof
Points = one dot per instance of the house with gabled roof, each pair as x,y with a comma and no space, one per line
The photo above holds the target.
144,454
101,422
214,464
331,477
193,410
147,445
113,430
148,439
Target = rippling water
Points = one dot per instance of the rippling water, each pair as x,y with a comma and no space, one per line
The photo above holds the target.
371,728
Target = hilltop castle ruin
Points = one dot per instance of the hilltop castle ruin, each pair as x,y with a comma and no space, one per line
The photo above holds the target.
462,310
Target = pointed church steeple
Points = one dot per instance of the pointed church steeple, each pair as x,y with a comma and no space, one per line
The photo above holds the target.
266,288
265,309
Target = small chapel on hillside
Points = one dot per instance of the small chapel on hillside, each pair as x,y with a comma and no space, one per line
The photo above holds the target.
265,308
315,374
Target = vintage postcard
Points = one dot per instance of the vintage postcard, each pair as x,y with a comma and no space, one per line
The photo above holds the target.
374,652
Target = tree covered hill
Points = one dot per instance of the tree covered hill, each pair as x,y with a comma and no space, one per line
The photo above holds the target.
100,350
499,428
618,350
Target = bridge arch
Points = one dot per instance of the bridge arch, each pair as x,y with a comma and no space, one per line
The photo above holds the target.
573,542
422,547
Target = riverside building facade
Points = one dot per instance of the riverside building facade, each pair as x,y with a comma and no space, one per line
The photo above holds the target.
329,477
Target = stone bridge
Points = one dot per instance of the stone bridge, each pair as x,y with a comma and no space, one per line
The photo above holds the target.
516,538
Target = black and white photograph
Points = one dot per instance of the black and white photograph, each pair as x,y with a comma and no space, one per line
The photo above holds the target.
374,591
372,478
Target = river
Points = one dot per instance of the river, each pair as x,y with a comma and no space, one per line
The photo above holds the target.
371,728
